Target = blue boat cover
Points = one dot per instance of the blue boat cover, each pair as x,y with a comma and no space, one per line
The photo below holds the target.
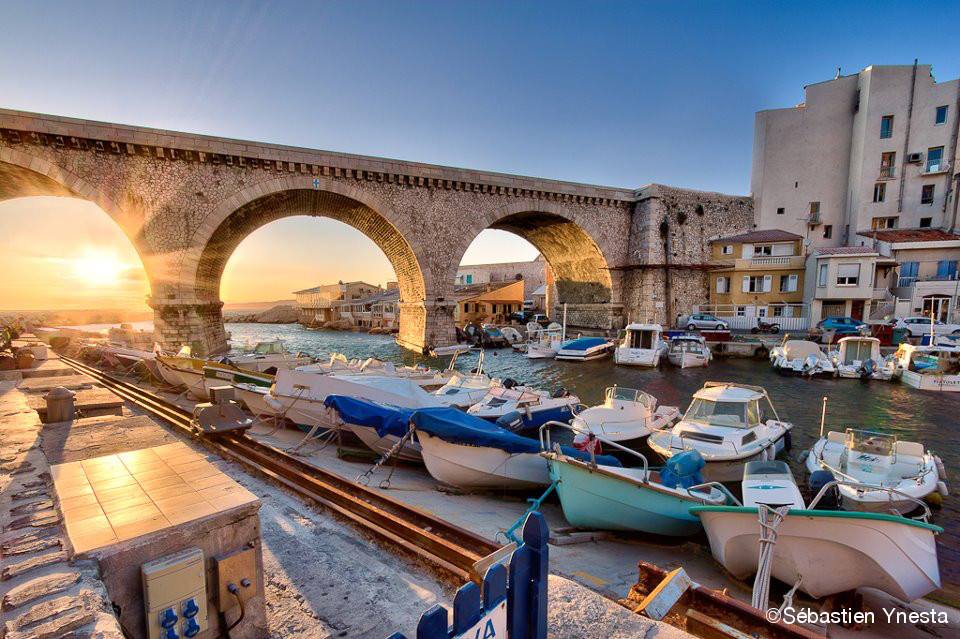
452,425
683,470
385,419
583,343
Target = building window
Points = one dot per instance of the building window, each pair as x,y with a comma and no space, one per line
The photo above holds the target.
848,275
822,276
947,270
757,283
908,273
741,311
723,284
762,311
888,161
880,223
728,249
879,191
763,249
926,193
886,126
926,222
941,117
828,231
468,279
814,209
935,159
781,210
788,283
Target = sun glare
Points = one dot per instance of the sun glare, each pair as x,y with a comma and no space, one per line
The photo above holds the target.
98,269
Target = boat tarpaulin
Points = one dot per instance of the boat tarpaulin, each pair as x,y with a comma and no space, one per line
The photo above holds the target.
386,420
583,343
452,425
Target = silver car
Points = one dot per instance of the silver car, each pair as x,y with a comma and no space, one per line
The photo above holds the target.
699,321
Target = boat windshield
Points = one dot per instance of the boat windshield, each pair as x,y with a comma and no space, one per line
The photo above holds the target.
619,393
865,441
685,346
269,348
640,339
729,414
857,351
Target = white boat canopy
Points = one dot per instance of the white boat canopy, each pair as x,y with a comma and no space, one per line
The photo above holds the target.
800,349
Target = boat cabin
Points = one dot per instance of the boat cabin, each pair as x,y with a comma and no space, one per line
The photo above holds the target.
856,350
727,406
642,336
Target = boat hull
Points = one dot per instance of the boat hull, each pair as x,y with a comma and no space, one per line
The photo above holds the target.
832,551
947,383
480,467
193,380
726,470
598,500
637,357
382,445
688,360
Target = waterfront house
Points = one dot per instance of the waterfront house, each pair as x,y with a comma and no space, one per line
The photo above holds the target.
322,304
758,274
487,303
533,273
839,282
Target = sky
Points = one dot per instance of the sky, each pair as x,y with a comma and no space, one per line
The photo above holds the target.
617,93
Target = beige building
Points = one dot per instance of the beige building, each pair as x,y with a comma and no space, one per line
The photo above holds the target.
322,304
870,151
488,303
533,274
757,274
840,282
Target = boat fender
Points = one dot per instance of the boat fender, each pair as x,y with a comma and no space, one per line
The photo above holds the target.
509,382
941,471
788,443
819,479
942,489
934,500
560,392
273,402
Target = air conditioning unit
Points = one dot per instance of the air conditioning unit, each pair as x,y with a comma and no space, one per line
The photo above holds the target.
914,158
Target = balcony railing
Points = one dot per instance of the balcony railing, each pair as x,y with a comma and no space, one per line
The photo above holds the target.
766,259
883,294
888,172
940,166
813,219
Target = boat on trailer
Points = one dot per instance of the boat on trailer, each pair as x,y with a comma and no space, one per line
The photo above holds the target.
726,425
584,349
823,552
595,495
467,452
883,473
641,345
689,351
859,357
627,416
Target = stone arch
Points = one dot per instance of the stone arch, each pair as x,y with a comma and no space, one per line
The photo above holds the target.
255,206
580,267
26,175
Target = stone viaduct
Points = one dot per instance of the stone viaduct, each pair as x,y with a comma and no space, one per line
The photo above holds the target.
186,201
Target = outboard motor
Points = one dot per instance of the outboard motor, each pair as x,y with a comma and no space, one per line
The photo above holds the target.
810,364
560,392
509,382
512,421
868,368
819,479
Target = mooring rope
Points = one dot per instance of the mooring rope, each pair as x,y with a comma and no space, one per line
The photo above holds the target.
770,520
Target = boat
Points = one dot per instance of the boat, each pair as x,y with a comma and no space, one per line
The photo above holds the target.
525,408
268,357
823,552
626,416
299,395
886,474
689,351
859,357
641,345
801,357
545,342
934,368
726,425
596,496
466,389
421,375
584,349
470,453
215,374
511,334
379,426
453,349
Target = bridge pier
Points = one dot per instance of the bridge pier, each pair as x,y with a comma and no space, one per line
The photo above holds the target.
601,317
426,324
198,325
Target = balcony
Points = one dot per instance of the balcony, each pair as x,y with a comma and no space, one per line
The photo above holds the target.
768,262
813,219
887,173
936,167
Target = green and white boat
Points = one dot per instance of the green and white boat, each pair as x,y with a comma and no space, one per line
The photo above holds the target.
224,374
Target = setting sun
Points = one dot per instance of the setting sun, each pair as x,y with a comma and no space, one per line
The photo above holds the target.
98,269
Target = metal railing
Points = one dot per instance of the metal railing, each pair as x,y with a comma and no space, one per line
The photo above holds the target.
888,172
941,166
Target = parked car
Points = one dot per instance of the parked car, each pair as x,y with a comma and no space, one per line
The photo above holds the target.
917,326
699,321
521,317
843,326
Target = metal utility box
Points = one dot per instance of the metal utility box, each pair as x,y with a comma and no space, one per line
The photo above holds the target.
175,595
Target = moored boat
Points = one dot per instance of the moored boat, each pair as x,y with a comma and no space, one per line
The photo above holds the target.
726,425
689,351
584,349
379,426
530,407
641,345
544,343
626,416
934,368
822,552
801,357
859,357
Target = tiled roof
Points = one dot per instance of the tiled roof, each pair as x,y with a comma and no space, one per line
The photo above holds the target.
911,235
466,291
768,235
846,250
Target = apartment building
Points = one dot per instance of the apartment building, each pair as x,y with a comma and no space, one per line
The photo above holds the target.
533,273
840,282
323,303
490,302
872,151
757,274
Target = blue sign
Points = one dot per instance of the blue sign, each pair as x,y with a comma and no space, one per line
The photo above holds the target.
316,183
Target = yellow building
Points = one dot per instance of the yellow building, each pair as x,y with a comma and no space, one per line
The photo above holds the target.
757,274
488,303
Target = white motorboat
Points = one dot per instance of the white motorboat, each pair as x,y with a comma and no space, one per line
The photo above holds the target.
726,425
801,357
465,390
511,334
544,342
859,357
584,349
467,452
887,475
527,408
421,375
935,368
626,416
689,351
453,349
268,357
641,345
823,552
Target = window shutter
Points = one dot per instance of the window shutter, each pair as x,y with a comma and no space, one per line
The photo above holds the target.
767,283
746,284
747,251
792,285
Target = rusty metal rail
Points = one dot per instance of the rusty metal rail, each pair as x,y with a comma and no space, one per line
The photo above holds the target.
450,548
